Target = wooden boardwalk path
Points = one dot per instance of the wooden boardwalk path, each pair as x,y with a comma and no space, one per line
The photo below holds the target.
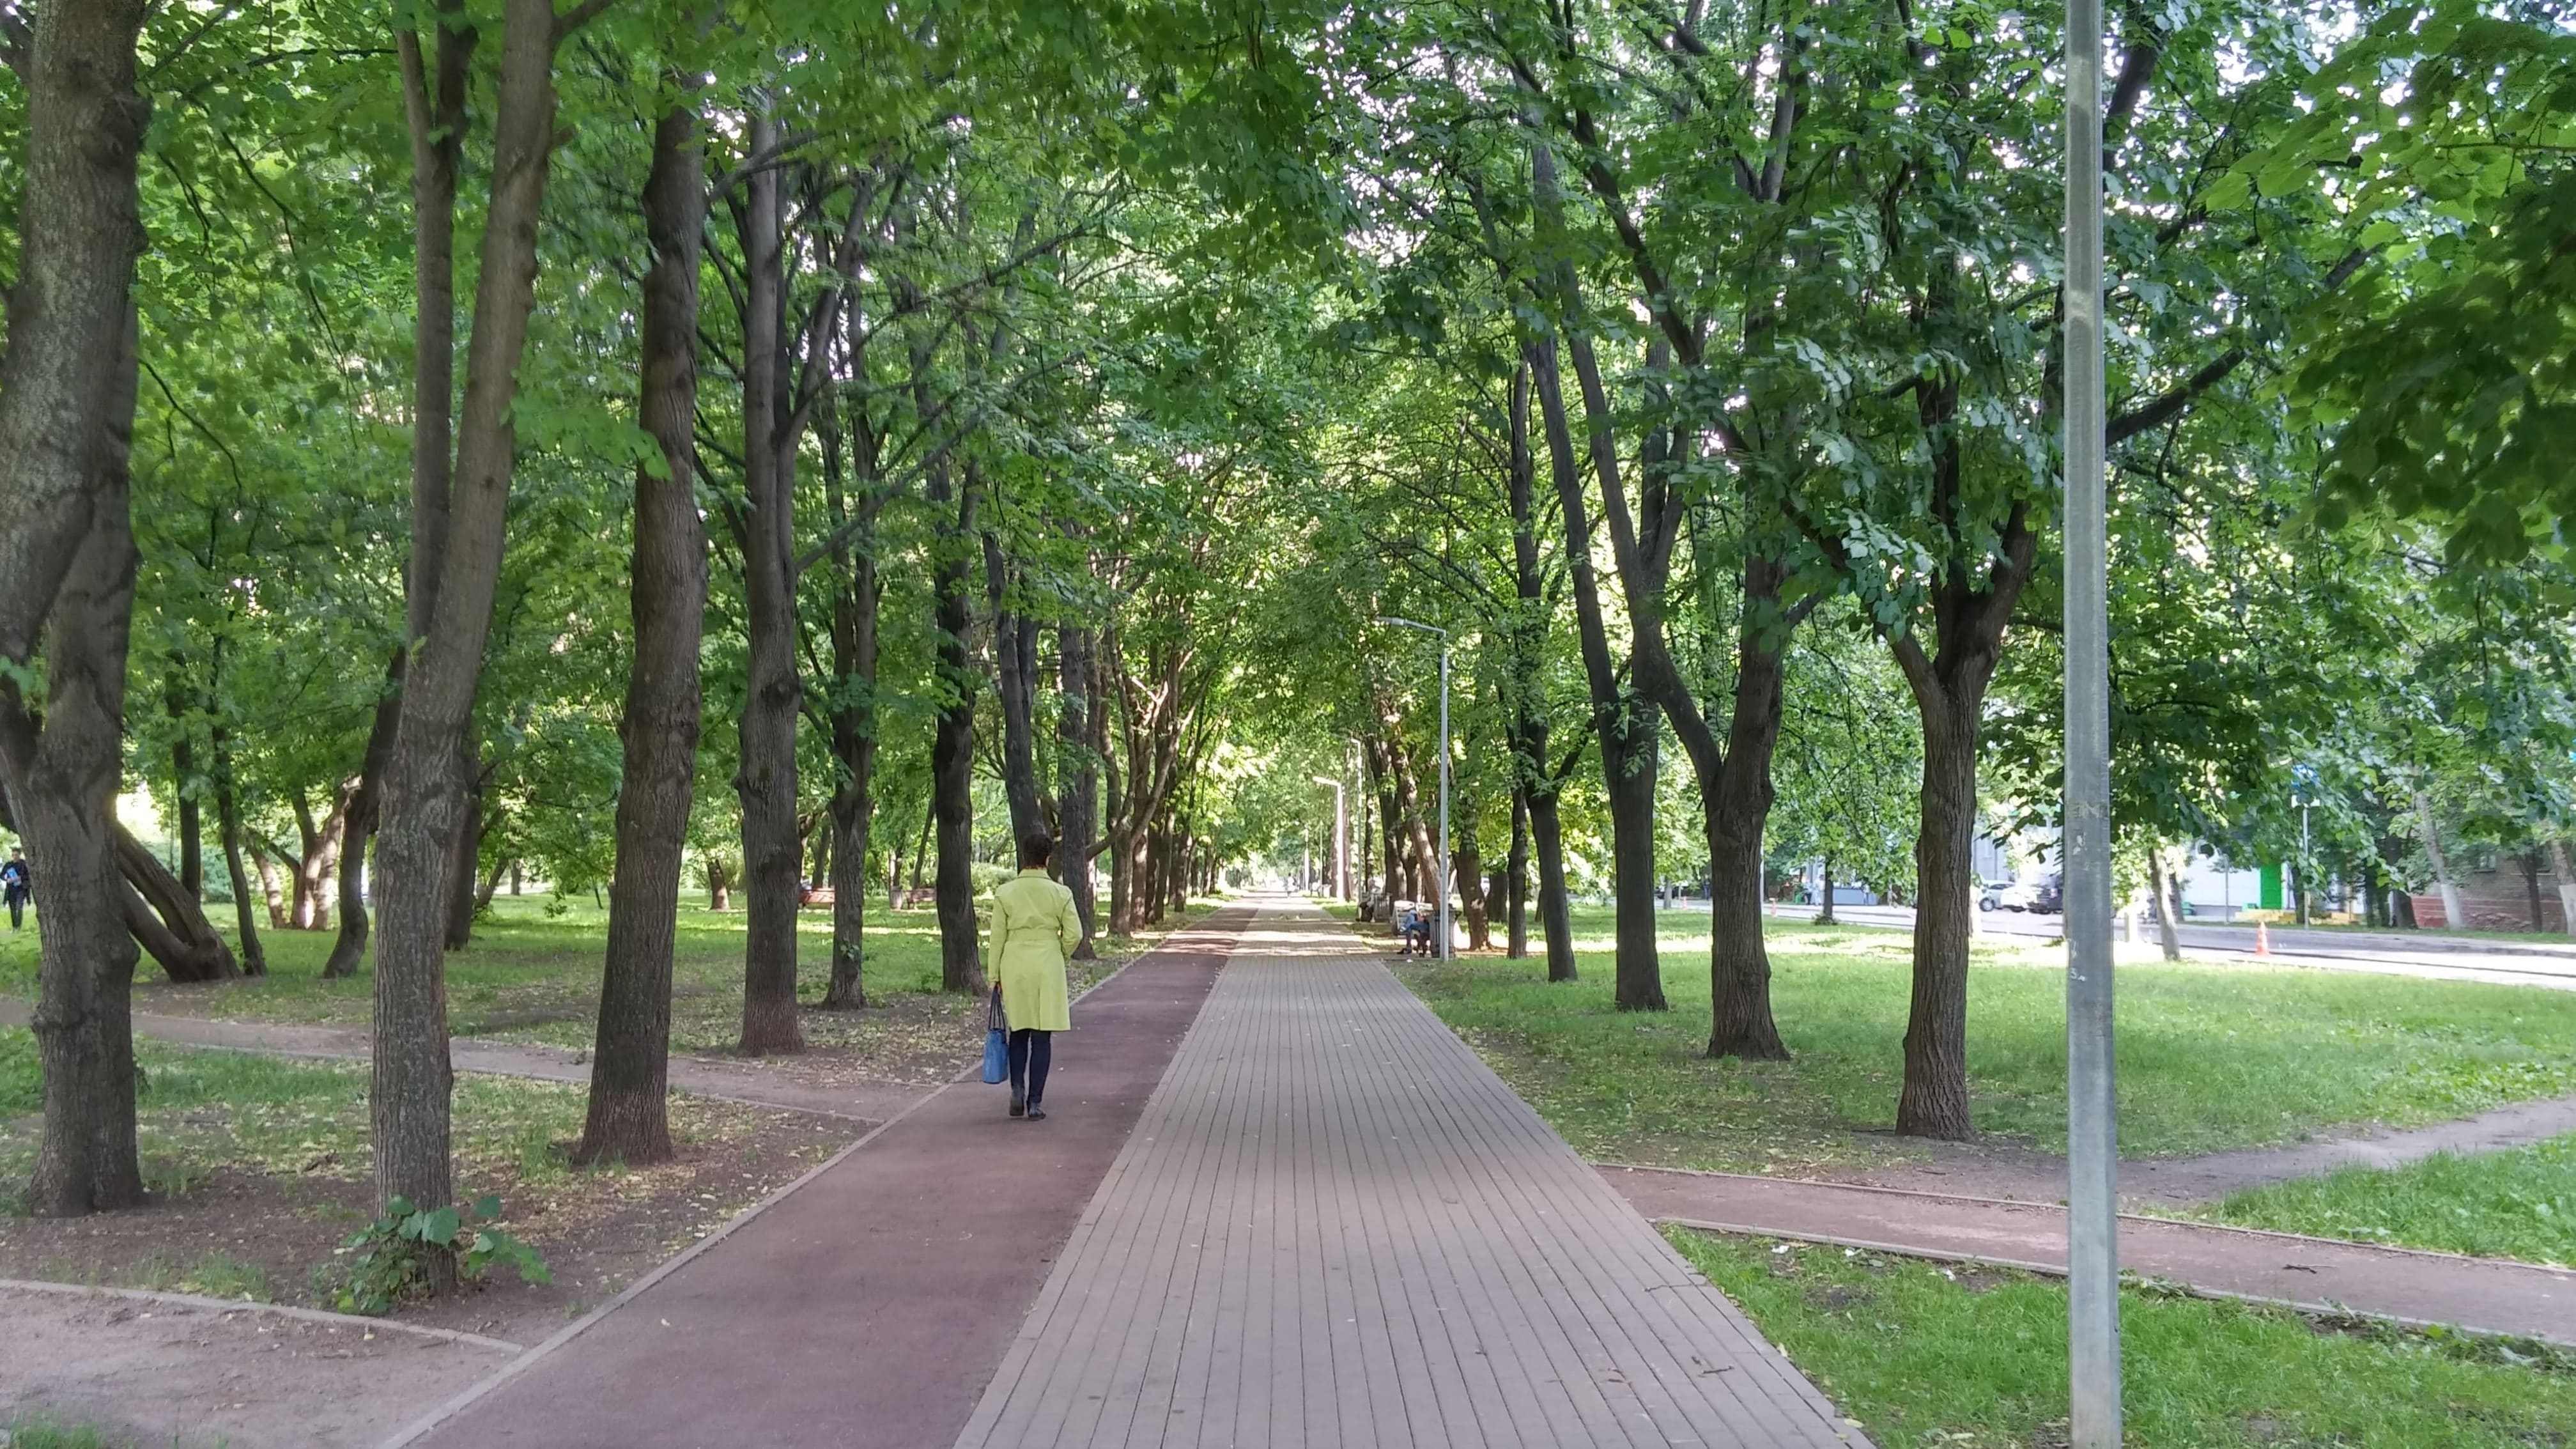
1333,1226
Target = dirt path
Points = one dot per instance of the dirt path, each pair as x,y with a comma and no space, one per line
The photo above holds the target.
2180,1181
815,1085
160,1369
2315,1274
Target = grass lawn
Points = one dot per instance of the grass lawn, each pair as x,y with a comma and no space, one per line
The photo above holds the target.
2211,1056
532,975
1929,1356
2516,1204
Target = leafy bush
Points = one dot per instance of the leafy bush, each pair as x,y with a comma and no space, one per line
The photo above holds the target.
389,1263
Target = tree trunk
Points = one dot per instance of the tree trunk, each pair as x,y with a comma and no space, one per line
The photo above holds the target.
854,721
952,746
270,894
1078,781
1934,1099
350,947
319,858
1825,917
1015,648
628,1119
424,800
719,884
464,864
2566,885
58,783
773,845
2531,887
1516,879
1625,727
2453,914
1736,800
169,923
1554,910
254,961
184,781
1466,870
921,846
2168,891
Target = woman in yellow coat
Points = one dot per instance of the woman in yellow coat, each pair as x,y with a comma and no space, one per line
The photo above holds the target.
1034,930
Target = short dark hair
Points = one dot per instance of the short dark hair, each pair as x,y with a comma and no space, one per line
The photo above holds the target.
1036,849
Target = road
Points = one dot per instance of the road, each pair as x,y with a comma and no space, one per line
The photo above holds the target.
2446,958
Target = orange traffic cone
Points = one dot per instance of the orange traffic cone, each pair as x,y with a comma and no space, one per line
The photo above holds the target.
2262,939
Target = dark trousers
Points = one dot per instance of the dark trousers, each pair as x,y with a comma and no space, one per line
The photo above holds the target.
17,910
1031,1053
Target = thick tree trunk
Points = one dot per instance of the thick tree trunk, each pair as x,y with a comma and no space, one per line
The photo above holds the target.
628,1120
1078,789
719,883
2531,887
952,745
1934,1100
1825,917
166,920
318,859
2168,903
1516,878
1634,748
1736,805
254,961
773,845
424,799
58,784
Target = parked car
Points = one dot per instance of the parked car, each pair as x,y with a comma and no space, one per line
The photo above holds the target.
2049,896
2010,895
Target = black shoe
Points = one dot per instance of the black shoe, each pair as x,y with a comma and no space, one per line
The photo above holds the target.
1036,1112
1019,1107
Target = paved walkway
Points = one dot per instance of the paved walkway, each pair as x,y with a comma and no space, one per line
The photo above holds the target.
2480,1294
1334,1226
866,1306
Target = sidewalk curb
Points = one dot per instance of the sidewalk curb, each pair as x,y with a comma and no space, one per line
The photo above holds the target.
279,1310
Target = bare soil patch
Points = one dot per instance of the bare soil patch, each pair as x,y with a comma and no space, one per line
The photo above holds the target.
276,1237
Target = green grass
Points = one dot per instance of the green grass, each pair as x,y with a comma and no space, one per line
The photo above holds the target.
532,975
2515,1204
2210,1056
46,1434
1935,1358
203,1110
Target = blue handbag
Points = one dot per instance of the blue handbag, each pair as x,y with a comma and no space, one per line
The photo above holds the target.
997,1042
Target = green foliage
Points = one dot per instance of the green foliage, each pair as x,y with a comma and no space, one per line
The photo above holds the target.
389,1263
2443,131
1925,1355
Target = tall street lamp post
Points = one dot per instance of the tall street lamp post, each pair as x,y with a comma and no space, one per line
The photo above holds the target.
1340,859
1440,887
2092,1188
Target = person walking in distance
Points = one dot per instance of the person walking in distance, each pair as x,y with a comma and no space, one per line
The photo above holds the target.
1033,933
19,887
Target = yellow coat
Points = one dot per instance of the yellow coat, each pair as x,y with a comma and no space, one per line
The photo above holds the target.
1033,930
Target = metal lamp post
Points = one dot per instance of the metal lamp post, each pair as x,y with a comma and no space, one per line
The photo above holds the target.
1440,887
1341,856
2092,1188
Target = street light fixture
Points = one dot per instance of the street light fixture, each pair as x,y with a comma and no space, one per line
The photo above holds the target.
1440,887
1341,836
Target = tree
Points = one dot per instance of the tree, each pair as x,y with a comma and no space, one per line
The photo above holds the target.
67,390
